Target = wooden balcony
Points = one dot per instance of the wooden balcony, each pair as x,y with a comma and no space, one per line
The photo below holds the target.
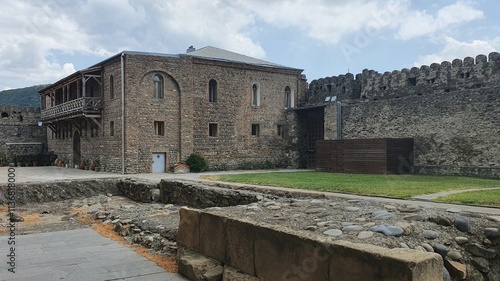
80,107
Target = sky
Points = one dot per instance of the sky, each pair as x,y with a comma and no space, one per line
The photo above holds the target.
42,41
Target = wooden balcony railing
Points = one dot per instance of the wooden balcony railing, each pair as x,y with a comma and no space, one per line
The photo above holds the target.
78,107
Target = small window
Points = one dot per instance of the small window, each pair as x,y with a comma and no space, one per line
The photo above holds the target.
412,81
111,87
212,91
213,130
159,128
158,86
111,128
255,95
256,130
5,115
288,97
281,131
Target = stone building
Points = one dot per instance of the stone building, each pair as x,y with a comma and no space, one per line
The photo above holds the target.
144,112
20,133
451,110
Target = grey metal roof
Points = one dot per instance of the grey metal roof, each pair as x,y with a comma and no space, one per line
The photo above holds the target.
213,53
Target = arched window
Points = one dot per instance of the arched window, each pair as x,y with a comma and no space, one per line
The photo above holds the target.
158,86
212,91
5,115
288,97
111,87
255,95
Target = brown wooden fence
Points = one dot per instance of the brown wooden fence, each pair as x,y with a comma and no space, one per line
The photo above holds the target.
369,156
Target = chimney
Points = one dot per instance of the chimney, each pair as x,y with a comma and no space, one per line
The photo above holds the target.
190,49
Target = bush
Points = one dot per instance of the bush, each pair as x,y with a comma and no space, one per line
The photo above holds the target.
197,163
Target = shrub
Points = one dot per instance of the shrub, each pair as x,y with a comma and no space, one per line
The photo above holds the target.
197,163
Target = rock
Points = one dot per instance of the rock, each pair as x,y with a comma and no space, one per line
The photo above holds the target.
481,264
270,203
365,234
453,210
415,217
360,219
492,233
259,197
324,223
480,251
420,248
457,270
430,234
254,208
474,274
109,194
380,212
352,209
455,255
333,232
487,242
352,228
493,276
273,207
404,246
494,218
390,207
311,228
462,223
405,226
428,247
115,221
344,224
197,267
102,198
410,209
441,250
315,210
353,201
155,195
446,275
461,240
388,230
15,217
369,224
385,216
441,220
316,202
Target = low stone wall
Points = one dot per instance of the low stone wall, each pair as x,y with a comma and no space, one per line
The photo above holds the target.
197,195
212,246
145,192
482,172
37,192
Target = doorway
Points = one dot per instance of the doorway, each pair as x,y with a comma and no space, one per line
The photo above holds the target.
77,153
158,163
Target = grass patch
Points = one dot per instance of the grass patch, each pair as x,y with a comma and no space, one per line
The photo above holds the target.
480,197
397,186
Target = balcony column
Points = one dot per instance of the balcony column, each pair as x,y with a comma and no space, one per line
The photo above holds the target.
83,86
78,90
52,99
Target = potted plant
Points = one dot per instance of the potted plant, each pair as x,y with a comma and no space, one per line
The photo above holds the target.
82,164
87,164
97,165
92,165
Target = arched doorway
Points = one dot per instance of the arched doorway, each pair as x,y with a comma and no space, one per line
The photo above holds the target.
77,154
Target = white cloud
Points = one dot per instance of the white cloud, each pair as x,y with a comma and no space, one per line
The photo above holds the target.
421,23
456,49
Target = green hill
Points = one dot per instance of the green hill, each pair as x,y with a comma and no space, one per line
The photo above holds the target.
22,97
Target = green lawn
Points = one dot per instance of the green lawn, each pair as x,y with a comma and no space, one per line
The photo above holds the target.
397,186
480,197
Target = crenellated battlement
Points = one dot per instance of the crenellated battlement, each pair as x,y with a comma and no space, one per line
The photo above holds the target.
12,115
444,77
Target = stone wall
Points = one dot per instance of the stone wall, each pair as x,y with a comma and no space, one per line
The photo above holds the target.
222,245
20,133
452,110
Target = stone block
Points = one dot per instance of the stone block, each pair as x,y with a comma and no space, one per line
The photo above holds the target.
213,236
188,234
284,256
360,262
231,274
197,267
240,245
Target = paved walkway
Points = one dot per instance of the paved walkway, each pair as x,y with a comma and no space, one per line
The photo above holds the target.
430,197
81,254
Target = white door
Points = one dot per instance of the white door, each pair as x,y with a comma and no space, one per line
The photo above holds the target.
158,163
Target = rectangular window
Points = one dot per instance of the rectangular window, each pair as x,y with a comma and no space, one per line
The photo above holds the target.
213,130
159,128
281,131
111,128
256,130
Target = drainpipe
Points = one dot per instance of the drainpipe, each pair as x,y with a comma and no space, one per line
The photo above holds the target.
123,111
339,120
